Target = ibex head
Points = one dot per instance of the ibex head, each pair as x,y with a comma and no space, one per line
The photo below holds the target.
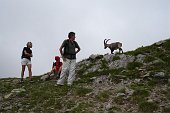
105,43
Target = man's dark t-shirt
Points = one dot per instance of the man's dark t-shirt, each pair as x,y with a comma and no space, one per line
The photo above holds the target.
28,50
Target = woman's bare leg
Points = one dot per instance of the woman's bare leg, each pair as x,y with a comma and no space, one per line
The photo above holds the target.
22,72
30,71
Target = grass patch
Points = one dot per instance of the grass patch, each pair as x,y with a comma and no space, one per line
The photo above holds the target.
116,71
114,110
141,91
148,107
82,108
69,104
87,78
104,64
149,59
158,66
145,86
116,58
133,65
123,90
84,68
103,96
167,45
141,50
139,95
166,109
119,100
167,94
131,73
81,91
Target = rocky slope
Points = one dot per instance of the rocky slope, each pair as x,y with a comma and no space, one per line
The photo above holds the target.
134,82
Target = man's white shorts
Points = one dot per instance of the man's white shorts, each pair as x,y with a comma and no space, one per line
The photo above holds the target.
25,61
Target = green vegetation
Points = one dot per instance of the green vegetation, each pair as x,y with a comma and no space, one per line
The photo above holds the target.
123,88
103,96
149,59
82,108
114,110
119,100
139,95
81,91
166,109
133,65
132,73
116,58
148,107
141,50
104,65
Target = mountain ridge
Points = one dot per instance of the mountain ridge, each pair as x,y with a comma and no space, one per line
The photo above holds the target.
134,82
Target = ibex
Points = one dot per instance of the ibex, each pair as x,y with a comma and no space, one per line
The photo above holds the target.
113,46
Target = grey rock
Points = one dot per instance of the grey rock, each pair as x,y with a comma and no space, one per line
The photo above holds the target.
8,107
137,80
44,77
122,63
15,81
160,42
14,91
120,94
121,76
95,56
18,90
159,74
94,68
108,57
108,106
7,96
146,75
129,91
93,78
102,80
140,58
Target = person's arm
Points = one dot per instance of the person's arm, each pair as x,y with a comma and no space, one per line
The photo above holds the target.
60,69
52,70
28,54
61,52
78,48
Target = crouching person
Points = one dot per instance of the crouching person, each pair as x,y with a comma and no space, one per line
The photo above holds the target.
55,71
56,68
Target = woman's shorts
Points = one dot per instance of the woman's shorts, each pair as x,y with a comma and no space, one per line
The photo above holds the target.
25,61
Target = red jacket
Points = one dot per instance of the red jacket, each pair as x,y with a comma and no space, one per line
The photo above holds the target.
58,64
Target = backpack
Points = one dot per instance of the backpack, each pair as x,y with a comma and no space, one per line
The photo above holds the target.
66,48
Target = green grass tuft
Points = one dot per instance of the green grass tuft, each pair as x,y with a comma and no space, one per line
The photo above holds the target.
103,96
133,65
148,107
81,91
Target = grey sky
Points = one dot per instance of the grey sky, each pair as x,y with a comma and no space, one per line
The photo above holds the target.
46,23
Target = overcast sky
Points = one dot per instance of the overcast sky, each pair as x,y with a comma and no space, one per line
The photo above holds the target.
46,23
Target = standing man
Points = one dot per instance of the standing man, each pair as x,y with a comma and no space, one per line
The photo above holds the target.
71,48
26,60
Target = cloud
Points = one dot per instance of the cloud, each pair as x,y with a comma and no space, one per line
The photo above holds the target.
47,23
